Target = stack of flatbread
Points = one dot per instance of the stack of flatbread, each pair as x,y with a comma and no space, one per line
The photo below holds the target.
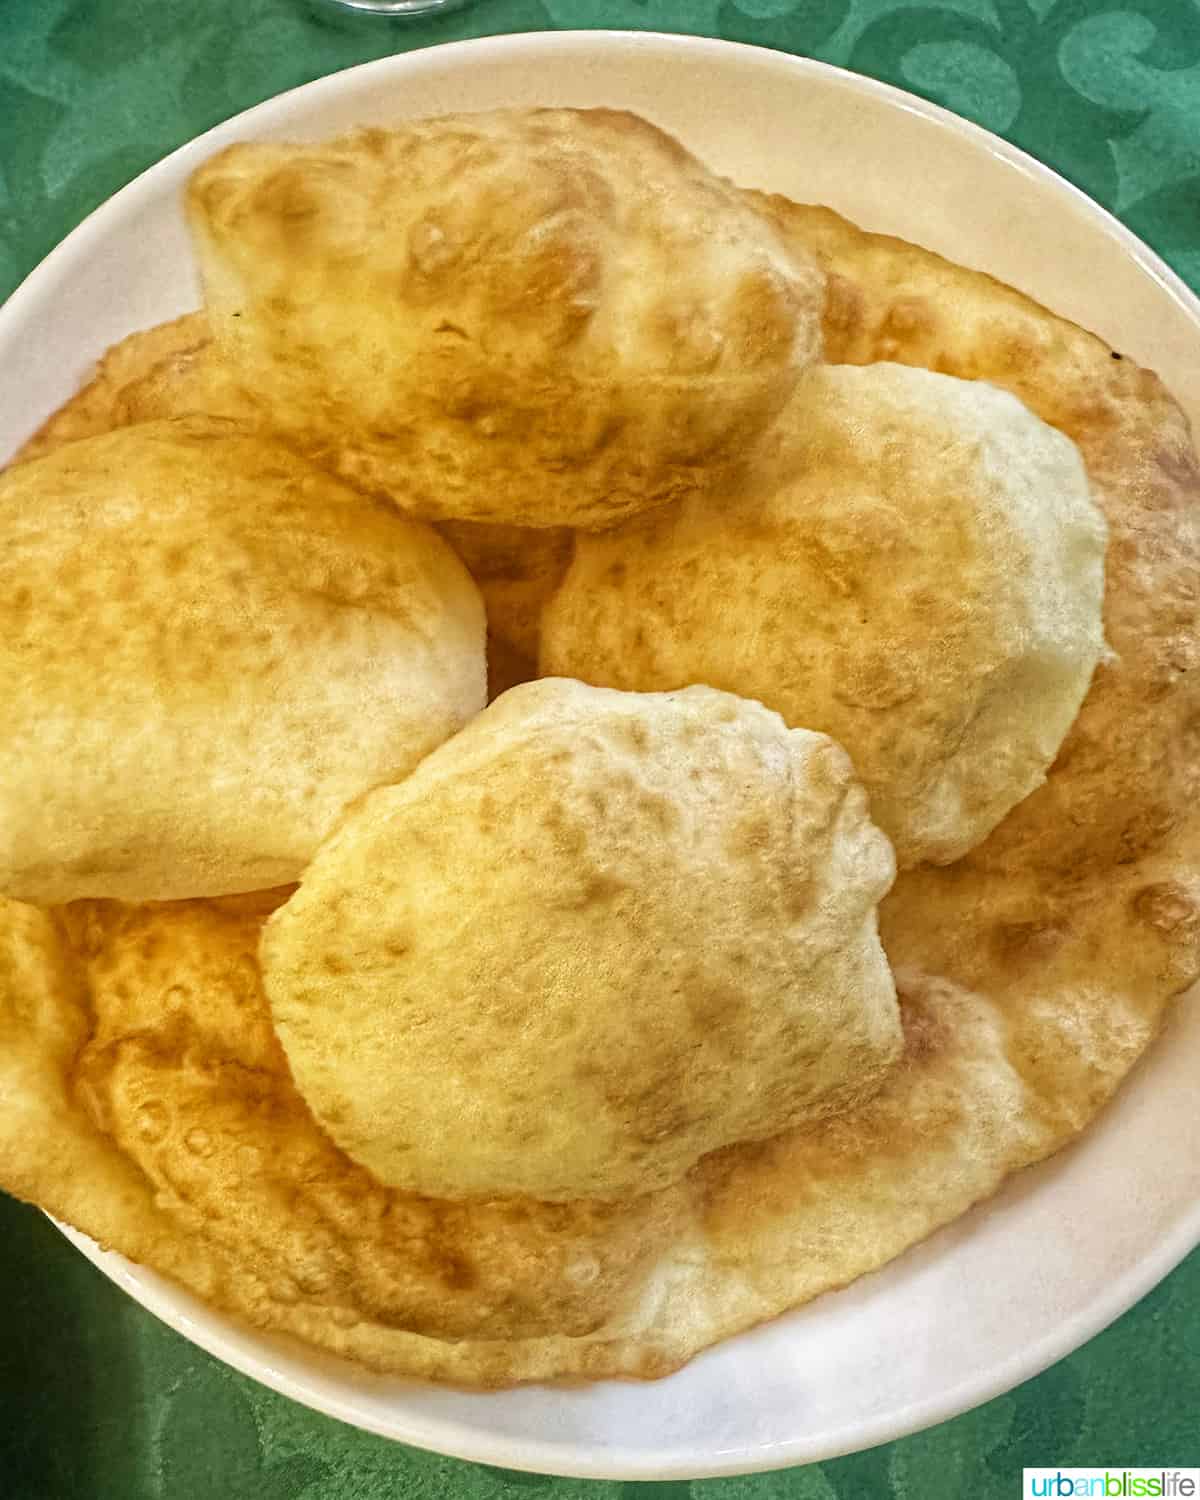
590,755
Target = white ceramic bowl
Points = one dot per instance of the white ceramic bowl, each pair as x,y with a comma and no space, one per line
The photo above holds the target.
1065,1247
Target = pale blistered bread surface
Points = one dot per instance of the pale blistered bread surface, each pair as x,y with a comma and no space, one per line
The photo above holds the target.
188,379
593,938
915,568
208,649
176,370
1129,771
1032,975
539,317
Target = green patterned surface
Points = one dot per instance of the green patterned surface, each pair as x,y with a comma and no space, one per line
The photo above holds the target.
97,1400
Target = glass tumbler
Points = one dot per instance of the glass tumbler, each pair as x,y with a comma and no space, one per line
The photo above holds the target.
395,7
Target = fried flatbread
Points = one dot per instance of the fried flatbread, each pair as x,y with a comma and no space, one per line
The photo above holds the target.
176,370
672,947
915,568
561,319
171,358
1032,975
208,649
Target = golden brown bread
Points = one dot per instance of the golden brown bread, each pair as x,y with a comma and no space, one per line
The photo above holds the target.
915,566
1032,975
117,394
593,938
207,649
561,318
175,1134
176,370
1128,774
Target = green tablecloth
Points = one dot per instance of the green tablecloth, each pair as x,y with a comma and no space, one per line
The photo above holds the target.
97,1400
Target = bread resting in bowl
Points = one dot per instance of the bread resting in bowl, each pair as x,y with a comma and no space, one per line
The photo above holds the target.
137,1048
595,937
208,649
538,317
915,566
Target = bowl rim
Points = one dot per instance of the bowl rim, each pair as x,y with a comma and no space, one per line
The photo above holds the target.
1147,259
531,1455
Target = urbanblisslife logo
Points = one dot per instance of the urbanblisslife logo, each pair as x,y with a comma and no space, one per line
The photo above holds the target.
1112,1484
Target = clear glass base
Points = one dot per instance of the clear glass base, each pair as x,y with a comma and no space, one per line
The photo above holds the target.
396,7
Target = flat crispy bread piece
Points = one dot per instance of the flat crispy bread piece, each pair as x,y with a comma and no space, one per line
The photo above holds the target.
175,370
174,1134
122,388
1032,976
